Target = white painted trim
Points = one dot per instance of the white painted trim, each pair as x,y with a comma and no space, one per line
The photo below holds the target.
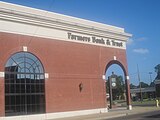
130,107
56,115
55,34
103,77
115,58
46,75
27,11
2,74
40,18
25,117
25,48
127,77
76,113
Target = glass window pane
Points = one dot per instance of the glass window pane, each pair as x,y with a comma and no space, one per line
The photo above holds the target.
24,83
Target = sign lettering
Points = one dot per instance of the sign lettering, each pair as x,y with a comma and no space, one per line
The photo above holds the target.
96,40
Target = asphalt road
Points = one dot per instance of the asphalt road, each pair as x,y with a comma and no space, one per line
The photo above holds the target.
154,115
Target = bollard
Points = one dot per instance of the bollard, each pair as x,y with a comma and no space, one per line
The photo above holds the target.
157,103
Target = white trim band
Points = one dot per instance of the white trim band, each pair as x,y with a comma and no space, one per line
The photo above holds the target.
56,115
34,22
129,107
62,35
46,75
127,77
115,58
2,74
25,48
103,77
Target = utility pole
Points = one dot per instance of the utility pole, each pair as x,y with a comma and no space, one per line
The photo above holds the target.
151,94
140,88
150,73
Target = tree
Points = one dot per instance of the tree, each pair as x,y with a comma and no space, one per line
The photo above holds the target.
143,85
157,70
152,84
132,86
119,91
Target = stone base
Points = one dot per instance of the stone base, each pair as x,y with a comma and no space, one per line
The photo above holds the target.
129,107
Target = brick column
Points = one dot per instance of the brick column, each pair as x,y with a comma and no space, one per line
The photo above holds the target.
129,106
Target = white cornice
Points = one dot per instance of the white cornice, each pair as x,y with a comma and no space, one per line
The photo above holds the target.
26,15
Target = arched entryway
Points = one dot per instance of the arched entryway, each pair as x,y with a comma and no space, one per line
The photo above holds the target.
126,77
24,85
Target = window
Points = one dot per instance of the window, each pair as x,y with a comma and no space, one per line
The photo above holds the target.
24,85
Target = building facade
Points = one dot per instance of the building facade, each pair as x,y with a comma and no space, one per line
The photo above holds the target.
157,87
53,65
147,93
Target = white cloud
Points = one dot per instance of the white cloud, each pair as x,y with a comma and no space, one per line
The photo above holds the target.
142,39
141,50
130,42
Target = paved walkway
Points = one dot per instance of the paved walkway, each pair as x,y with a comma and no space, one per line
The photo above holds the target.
116,112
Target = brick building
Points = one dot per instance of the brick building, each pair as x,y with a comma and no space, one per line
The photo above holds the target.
53,65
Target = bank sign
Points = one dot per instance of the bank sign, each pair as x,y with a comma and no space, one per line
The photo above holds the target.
106,42
56,34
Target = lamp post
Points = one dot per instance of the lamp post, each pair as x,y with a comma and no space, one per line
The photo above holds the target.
112,85
141,97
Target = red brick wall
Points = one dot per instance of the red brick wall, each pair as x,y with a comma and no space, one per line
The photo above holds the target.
1,97
68,64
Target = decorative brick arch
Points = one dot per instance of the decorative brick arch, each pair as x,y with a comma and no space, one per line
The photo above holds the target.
118,63
127,87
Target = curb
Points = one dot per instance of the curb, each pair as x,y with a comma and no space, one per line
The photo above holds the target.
114,113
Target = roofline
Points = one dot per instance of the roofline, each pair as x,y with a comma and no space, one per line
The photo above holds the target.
64,20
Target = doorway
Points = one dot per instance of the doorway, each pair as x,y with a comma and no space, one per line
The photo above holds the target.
118,88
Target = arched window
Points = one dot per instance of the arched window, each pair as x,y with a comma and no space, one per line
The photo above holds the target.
24,85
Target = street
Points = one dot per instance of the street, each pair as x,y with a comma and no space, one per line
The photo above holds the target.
154,115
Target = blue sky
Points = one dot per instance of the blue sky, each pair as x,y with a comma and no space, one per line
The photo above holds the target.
141,18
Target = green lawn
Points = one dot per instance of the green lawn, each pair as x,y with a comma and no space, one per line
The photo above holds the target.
144,102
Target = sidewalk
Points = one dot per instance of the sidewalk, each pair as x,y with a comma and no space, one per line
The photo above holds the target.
116,112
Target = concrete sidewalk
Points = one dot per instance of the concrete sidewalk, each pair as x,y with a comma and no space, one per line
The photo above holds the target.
116,112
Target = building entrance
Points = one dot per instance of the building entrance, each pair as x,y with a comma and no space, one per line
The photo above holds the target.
119,92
